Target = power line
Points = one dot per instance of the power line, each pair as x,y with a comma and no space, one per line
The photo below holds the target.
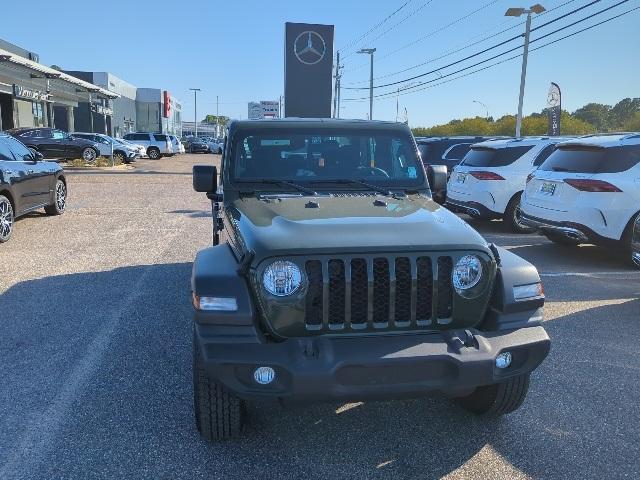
493,47
395,25
414,89
430,34
452,52
375,27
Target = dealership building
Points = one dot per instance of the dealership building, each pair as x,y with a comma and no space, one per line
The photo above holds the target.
32,95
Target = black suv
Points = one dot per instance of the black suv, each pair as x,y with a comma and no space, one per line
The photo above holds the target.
335,276
26,184
56,144
447,151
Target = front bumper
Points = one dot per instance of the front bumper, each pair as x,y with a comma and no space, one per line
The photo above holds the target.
366,367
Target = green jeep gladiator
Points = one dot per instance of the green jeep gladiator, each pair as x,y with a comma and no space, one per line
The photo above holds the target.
334,276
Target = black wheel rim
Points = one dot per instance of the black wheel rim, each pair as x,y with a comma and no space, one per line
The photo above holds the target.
61,196
88,155
6,218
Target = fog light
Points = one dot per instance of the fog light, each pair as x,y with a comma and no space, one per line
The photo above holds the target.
503,360
264,375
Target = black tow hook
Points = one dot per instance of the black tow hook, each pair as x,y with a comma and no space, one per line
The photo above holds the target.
458,340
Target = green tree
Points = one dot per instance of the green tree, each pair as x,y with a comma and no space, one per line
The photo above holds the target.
222,120
596,114
624,111
633,125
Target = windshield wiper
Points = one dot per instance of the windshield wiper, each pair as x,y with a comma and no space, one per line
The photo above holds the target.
370,186
560,169
300,188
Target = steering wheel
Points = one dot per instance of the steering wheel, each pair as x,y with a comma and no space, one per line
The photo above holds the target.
375,172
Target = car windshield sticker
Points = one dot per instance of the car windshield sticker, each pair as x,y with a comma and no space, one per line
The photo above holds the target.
412,172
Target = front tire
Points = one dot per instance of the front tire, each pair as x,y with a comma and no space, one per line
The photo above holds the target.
89,155
497,399
219,415
60,201
513,217
153,153
7,218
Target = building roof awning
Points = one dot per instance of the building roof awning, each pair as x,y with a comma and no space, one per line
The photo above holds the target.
52,73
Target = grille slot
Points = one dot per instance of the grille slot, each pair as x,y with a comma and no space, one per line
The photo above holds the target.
313,301
403,290
445,288
336,292
378,293
359,291
381,291
424,294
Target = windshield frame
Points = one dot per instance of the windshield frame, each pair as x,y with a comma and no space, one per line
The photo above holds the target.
230,182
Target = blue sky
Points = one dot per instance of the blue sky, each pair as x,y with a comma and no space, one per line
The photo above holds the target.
235,50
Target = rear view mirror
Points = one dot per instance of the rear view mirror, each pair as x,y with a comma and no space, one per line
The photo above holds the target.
205,178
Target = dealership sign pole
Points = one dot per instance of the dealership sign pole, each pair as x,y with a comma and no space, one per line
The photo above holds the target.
554,109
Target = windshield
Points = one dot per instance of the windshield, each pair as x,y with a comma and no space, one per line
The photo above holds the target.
494,157
384,158
592,160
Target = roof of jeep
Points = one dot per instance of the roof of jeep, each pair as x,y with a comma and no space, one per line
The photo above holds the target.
339,123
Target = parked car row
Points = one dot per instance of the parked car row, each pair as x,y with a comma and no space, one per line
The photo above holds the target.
573,190
27,183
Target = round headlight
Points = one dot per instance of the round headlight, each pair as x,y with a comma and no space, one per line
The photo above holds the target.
282,278
467,272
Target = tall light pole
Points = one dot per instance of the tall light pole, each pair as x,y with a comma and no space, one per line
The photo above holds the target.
195,108
516,12
484,105
370,51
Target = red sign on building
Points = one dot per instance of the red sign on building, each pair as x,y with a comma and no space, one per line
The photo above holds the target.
166,110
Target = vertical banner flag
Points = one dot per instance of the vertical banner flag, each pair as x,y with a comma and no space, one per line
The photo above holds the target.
308,65
554,109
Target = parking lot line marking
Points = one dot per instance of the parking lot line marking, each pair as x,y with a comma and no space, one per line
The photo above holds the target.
587,274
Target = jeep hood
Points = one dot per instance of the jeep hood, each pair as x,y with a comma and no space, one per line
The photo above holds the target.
346,224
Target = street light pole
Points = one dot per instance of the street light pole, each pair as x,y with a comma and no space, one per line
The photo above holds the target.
195,109
516,12
484,105
370,51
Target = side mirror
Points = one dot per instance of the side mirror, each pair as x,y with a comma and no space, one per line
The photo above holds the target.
38,156
205,178
437,176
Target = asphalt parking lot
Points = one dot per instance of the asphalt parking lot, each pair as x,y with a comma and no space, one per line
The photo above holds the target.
95,361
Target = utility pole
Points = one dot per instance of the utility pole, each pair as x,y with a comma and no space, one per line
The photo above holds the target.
336,86
370,52
516,12
217,120
195,109
397,103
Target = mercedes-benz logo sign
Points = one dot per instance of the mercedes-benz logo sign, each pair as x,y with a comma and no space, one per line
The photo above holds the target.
553,99
309,47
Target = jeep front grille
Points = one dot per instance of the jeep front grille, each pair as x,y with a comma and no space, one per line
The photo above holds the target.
378,293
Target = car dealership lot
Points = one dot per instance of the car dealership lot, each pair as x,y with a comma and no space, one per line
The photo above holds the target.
95,360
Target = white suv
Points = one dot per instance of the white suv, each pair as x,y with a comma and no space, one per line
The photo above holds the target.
157,144
588,191
490,179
